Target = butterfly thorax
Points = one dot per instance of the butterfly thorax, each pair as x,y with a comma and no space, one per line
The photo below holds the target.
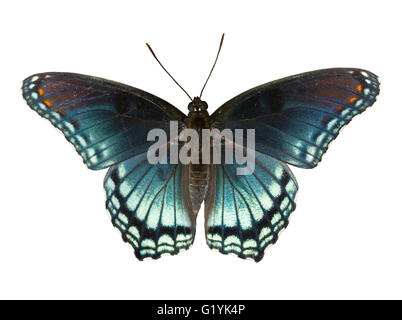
197,174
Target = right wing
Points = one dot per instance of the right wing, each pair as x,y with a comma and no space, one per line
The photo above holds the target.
149,206
245,213
296,118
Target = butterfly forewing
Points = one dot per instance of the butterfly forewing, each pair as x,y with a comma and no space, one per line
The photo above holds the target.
297,117
107,122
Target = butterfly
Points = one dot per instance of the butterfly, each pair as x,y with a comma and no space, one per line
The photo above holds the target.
155,205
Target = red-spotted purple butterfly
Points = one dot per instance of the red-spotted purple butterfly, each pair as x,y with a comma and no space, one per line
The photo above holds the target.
155,205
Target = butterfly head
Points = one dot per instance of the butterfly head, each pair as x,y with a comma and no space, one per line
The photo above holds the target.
197,105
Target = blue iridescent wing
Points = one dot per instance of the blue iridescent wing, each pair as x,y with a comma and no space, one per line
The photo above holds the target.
149,205
245,213
297,117
107,122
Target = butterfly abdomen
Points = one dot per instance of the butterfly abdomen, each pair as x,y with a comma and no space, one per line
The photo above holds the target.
198,184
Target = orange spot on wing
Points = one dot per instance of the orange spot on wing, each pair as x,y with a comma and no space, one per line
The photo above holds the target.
76,122
61,111
325,120
359,88
40,91
339,108
353,99
47,103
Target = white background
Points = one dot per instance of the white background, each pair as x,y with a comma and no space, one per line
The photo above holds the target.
56,240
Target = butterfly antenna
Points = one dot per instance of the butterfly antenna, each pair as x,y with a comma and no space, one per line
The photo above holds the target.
153,53
216,59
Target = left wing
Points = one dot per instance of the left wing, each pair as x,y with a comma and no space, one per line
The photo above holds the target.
150,207
245,213
296,118
107,122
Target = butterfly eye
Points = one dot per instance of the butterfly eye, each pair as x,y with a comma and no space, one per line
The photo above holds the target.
204,106
191,106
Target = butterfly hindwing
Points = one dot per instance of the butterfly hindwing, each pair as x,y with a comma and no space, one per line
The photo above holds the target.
149,206
295,118
107,122
245,213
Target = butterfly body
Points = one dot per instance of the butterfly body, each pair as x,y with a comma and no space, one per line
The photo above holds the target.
155,206
198,173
